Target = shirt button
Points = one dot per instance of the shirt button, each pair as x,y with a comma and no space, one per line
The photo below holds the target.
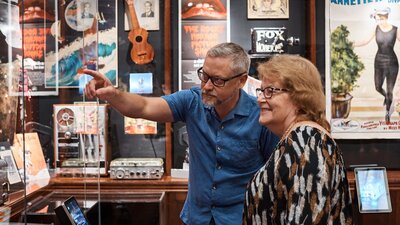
218,148
222,127
219,166
214,187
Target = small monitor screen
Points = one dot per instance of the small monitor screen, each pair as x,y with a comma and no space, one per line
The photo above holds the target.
75,212
372,190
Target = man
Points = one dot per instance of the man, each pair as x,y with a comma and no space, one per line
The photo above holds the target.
148,12
227,144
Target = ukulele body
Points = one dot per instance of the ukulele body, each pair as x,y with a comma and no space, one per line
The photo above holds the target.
142,52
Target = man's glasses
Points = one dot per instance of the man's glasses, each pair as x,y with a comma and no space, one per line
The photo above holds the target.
216,81
269,91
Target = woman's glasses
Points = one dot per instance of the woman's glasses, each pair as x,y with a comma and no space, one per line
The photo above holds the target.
269,91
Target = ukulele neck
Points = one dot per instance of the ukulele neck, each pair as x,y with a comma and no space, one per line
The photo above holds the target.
132,13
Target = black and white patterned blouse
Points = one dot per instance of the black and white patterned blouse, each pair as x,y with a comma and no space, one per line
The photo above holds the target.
304,182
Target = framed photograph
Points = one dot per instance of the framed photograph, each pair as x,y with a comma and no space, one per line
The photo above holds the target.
12,170
267,9
147,13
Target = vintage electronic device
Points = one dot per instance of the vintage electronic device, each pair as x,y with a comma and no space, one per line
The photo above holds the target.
80,139
372,190
136,168
70,213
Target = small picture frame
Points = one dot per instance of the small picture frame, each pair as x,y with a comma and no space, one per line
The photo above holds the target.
147,13
12,170
268,40
267,9
139,126
141,83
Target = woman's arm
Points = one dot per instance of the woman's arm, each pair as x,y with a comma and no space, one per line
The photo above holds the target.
364,42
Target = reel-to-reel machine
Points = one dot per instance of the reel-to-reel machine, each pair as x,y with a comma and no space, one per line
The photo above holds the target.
80,139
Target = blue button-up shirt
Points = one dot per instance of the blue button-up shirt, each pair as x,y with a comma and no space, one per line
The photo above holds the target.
224,155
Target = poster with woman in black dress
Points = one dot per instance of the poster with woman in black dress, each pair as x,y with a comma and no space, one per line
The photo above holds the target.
373,35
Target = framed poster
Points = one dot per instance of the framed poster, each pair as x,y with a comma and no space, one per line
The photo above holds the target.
362,82
201,26
267,9
268,40
26,75
82,40
32,155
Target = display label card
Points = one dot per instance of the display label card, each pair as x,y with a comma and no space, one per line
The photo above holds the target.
141,83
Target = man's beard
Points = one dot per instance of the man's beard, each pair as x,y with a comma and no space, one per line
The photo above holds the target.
208,98
213,100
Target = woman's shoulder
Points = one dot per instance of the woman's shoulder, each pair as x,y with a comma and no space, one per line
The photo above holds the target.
310,127
305,132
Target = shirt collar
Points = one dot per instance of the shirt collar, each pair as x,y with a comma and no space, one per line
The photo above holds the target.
243,107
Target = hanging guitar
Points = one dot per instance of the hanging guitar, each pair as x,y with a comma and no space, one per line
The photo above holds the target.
142,52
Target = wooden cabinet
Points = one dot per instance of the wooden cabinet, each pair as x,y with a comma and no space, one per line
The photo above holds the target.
175,191
119,195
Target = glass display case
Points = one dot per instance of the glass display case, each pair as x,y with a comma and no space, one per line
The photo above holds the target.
54,142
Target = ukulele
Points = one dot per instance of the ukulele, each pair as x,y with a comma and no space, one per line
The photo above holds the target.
142,52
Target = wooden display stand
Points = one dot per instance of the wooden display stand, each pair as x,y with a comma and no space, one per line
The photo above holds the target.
175,191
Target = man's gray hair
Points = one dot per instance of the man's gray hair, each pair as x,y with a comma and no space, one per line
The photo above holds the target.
240,59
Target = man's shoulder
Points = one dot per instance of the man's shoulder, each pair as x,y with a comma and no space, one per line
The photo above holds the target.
194,92
248,100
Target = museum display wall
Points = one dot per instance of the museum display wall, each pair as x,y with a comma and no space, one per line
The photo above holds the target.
56,143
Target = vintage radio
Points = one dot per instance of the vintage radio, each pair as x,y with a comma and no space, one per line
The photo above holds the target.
137,168
80,139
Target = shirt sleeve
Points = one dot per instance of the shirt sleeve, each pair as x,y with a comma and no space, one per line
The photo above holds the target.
180,103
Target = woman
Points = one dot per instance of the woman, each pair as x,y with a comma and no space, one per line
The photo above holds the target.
386,65
304,181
